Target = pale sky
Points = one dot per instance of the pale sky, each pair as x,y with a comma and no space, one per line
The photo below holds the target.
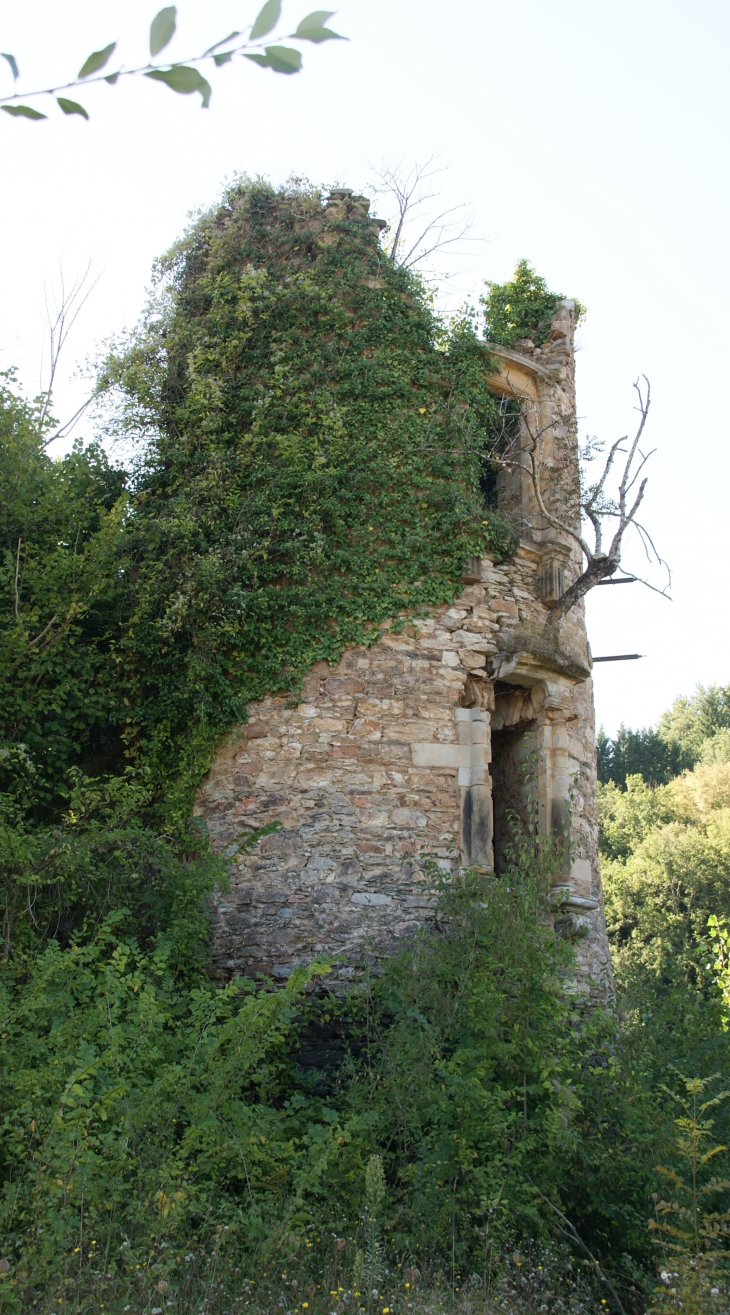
589,137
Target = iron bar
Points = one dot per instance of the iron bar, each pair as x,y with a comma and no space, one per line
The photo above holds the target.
620,657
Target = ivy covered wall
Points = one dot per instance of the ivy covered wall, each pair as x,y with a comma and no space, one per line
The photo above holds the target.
315,443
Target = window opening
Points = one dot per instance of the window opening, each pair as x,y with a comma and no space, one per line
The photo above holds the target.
505,427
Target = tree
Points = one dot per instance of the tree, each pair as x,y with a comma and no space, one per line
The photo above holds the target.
692,721
521,309
597,505
696,728
645,753
181,76
415,233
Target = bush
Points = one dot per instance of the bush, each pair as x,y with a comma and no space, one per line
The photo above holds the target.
522,308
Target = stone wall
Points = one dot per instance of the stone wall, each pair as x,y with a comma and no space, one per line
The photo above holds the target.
388,755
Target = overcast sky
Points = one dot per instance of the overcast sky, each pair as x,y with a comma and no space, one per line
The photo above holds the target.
589,136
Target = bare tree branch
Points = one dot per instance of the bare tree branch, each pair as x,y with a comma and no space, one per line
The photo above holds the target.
595,505
407,190
62,312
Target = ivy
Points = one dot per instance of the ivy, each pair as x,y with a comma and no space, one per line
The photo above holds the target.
315,442
314,446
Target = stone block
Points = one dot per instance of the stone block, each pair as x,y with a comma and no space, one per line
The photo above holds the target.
344,685
408,817
471,659
427,754
326,895
255,730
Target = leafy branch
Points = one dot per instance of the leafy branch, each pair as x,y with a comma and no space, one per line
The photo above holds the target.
180,76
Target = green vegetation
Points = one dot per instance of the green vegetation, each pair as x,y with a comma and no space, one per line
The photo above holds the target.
694,729
312,445
184,79
315,441
521,308
312,441
666,874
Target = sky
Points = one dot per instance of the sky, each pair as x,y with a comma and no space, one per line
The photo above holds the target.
589,137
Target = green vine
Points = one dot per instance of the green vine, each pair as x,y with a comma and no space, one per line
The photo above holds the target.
314,446
316,439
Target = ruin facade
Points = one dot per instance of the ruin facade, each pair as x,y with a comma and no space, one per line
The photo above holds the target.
427,742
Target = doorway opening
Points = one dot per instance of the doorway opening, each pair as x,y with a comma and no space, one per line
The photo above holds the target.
514,771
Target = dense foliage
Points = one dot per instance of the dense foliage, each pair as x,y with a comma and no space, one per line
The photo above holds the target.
150,1115
666,874
521,308
313,445
63,600
694,729
315,441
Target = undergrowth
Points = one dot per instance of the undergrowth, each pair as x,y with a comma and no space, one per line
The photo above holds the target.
312,450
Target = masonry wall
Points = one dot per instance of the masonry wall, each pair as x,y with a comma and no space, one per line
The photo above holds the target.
363,776
388,755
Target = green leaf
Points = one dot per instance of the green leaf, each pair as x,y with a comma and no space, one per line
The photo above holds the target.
267,19
112,79
184,80
319,34
282,59
71,107
316,19
12,62
312,28
222,59
162,29
231,36
23,111
97,59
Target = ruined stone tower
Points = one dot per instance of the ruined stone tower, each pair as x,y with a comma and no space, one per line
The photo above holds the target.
420,742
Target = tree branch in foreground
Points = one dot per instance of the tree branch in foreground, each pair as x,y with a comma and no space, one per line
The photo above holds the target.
182,76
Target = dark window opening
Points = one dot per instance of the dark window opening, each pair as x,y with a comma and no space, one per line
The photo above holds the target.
513,774
503,430
488,483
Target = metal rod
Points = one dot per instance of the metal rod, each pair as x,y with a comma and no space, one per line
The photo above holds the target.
620,657
622,579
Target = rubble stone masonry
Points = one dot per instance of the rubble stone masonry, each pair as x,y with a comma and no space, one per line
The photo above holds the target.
425,742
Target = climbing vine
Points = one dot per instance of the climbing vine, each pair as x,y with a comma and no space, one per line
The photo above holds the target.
315,441
313,450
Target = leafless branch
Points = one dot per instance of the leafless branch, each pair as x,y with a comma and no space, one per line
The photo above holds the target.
65,429
37,639
409,191
596,506
62,309
16,600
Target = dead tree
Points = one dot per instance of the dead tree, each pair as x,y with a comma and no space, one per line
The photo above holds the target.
609,516
416,233
62,308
